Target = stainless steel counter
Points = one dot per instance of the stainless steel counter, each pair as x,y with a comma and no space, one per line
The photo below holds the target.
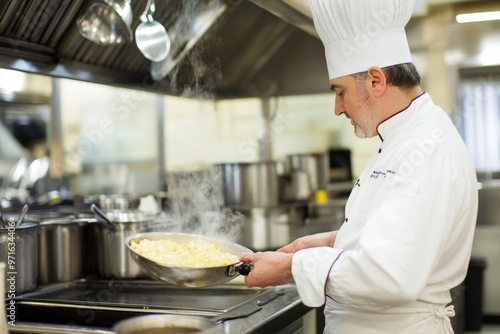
77,308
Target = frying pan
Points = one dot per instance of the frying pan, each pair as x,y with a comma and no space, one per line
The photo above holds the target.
190,277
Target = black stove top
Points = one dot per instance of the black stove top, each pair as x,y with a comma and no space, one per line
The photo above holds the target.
103,303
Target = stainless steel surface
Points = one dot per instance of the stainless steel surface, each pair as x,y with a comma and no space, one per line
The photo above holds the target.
250,44
167,324
204,16
107,22
94,306
316,165
38,328
295,186
113,259
18,250
151,36
62,250
57,153
103,216
289,14
269,229
106,203
489,199
188,276
266,229
250,185
24,210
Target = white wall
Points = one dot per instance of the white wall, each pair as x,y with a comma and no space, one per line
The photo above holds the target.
203,132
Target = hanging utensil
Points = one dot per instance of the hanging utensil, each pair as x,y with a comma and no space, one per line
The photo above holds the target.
102,215
107,22
24,210
151,36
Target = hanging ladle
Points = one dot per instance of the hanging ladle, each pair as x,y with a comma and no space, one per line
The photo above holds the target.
102,215
151,36
24,210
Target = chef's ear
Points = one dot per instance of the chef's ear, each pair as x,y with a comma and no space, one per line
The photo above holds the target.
376,81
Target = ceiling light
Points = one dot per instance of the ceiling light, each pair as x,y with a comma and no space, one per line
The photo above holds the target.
478,17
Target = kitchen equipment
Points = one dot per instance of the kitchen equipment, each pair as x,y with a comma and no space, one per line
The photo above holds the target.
61,250
266,229
18,250
340,164
316,165
106,203
107,22
102,215
250,185
166,324
112,256
151,36
24,210
100,304
294,186
188,276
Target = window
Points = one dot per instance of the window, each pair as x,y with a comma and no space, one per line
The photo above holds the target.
479,122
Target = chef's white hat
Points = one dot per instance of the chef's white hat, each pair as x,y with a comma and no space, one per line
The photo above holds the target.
358,34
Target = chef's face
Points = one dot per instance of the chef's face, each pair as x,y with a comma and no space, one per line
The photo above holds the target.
352,100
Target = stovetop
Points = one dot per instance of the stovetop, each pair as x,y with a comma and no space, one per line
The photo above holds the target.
103,303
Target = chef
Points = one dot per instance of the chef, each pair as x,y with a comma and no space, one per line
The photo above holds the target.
409,221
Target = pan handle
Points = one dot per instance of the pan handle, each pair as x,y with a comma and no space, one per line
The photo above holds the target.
244,268
241,268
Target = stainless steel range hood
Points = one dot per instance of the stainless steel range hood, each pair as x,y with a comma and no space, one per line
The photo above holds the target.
295,12
250,48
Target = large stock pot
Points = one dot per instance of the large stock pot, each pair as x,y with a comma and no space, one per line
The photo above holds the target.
18,250
61,250
112,256
250,185
316,165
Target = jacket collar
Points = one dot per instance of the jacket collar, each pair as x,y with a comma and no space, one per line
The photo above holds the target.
388,127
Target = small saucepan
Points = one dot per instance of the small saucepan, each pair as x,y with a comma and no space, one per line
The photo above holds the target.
166,323
190,277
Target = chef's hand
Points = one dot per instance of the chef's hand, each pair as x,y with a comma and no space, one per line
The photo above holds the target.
269,269
326,239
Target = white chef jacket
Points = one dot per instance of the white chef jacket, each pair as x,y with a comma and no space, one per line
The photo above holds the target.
407,236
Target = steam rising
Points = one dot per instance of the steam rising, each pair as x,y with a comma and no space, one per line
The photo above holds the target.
196,205
191,27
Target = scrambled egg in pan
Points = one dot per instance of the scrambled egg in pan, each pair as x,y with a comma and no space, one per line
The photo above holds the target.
195,254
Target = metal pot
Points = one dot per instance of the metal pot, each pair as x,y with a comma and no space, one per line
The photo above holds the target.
316,165
112,256
106,203
166,323
61,250
250,185
18,250
107,22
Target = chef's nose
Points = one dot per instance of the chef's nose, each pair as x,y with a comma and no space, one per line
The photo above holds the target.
339,107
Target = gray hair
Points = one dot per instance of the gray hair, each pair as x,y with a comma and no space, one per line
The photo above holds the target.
404,75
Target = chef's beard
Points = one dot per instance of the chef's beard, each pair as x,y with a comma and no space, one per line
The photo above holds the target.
363,128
